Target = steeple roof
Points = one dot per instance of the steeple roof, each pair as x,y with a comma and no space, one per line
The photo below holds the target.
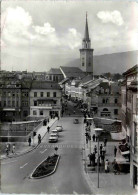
86,35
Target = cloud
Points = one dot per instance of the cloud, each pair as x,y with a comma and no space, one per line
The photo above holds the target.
114,17
44,30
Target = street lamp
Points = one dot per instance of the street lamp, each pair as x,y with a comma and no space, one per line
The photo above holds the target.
98,161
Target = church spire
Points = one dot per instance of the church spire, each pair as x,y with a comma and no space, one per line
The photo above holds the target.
86,35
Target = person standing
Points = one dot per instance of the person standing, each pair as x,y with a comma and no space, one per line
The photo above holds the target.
13,149
103,151
93,137
101,147
29,140
106,166
48,129
105,141
95,149
7,149
39,139
115,151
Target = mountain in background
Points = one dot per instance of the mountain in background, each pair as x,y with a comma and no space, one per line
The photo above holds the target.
113,63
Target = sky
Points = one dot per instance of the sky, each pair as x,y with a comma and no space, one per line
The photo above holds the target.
38,35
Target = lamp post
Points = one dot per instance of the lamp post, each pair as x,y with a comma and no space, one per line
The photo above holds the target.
98,160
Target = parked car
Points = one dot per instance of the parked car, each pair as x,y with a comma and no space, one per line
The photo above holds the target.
59,128
76,121
53,137
54,131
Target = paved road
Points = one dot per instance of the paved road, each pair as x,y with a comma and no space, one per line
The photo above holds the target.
69,177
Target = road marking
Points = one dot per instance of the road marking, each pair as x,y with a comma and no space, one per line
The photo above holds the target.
8,162
23,166
43,151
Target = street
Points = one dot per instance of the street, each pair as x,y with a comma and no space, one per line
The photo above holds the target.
69,177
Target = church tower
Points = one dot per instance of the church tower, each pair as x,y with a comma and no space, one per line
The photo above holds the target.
86,53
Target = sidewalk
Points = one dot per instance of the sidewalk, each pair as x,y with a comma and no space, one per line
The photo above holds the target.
108,182
23,147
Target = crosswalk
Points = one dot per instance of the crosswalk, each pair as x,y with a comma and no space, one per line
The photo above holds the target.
61,145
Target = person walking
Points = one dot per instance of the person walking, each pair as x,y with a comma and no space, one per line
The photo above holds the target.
29,140
101,147
115,151
105,141
103,150
106,166
115,167
48,129
13,149
93,137
95,149
39,139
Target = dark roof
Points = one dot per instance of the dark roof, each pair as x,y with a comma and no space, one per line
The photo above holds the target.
54,71
45,85
87,78
72,72
132,70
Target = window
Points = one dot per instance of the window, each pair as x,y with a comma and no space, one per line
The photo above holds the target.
9,103
103,101
48,94
13,95
25,113
116,101
82,63
54,94
35,103
34,112
89,63
50,77
4,93
41,112
13,103
41,94
35,94
116,111
4,103
17,103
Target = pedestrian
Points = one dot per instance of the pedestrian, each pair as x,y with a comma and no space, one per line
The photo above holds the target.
103,150
93,137
48,129
29,140
87,140
39,139
13,149
105,141
48,120
96,138
115,151
106,166
101,147
95,149
102,158
115,167
7,149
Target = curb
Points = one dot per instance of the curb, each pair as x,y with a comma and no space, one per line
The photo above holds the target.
18,155
30,177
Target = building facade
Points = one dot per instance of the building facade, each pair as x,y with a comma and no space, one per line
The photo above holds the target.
45,99
130,119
